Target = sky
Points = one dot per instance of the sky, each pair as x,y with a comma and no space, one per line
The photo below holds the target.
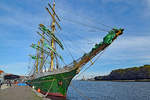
84,23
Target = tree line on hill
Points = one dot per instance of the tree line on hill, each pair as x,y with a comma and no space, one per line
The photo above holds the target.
134,73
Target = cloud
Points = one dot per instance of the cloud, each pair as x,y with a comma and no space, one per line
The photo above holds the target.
148,2
123,50
146,6
2,66
131,46
18,18
133,42
21,19
19,68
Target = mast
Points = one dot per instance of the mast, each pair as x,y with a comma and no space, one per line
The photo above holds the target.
52,40
42,52
48,47
37,60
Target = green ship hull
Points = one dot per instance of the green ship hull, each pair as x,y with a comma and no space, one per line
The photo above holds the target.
53,85
56,83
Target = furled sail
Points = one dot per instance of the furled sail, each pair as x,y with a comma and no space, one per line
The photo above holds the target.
33,57
35,46
50,34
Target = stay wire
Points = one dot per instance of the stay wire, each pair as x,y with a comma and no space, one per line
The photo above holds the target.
100,23
73,43
83,24
105,25
78,46
92,63
66,47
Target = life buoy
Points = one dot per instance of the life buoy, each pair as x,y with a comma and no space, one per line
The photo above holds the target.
60,83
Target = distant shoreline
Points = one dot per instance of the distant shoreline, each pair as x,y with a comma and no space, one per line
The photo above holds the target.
142,80
133,74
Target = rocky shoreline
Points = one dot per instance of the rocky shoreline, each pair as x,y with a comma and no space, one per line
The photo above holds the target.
134,74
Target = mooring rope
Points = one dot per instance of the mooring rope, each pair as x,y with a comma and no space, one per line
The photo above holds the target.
49,89
79,92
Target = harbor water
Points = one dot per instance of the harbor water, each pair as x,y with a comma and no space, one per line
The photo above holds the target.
106,90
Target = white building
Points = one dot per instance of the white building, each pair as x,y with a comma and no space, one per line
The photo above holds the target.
2,76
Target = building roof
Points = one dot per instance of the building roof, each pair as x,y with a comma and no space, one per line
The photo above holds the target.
1,71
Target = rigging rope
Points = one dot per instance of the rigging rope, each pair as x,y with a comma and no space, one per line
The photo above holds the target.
67,48
28,71
74,44
105,25
83,24
91,63
45,61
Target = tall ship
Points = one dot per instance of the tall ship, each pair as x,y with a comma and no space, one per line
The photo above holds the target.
55,80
